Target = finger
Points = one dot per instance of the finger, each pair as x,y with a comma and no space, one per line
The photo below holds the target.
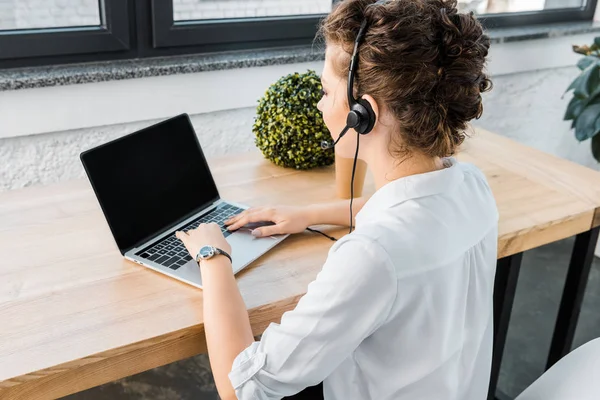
240,215
267,231
259,216
184,237
236,218
181,236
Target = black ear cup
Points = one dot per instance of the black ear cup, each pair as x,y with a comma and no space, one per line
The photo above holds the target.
361,117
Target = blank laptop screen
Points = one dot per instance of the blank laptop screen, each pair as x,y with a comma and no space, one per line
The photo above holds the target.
148,180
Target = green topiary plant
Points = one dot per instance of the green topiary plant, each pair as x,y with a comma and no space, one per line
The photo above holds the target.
584,107
288,126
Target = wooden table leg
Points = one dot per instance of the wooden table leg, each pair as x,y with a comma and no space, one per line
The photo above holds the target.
574,289
505,285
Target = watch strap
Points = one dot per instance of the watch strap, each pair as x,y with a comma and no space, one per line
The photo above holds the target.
223,252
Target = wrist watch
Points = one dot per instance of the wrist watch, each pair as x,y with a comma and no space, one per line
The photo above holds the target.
208,252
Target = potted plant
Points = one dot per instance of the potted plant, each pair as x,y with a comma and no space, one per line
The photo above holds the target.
288,127
584,107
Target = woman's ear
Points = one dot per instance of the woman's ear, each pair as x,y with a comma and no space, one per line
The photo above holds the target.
373,104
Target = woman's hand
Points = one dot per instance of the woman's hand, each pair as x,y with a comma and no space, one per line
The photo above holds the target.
204,235
286,220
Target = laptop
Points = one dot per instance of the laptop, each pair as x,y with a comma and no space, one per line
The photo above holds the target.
154,182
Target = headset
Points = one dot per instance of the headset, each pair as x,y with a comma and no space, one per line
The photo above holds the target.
361,117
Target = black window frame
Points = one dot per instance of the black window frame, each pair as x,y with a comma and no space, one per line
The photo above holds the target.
133,29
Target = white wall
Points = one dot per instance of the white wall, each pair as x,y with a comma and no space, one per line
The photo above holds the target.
528,107
53,157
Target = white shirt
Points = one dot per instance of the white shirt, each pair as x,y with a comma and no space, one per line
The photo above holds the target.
402,308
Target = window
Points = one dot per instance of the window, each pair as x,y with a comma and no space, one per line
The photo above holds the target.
501,13
186,10
42,32
234,24
32,28
513,6
67,13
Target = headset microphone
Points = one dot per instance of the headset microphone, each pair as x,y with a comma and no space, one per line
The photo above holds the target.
325,145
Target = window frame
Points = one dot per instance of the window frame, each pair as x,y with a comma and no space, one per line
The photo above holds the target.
111,35
135,29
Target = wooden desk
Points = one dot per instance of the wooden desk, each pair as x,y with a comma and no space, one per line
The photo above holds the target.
74,314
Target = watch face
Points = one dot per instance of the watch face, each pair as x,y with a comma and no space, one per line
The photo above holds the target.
207,252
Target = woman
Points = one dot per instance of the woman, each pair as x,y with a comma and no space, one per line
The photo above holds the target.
402,308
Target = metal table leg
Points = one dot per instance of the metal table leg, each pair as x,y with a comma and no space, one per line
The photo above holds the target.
502,396
505,285
570,303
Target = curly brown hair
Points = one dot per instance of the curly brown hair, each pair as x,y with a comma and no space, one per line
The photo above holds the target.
420,59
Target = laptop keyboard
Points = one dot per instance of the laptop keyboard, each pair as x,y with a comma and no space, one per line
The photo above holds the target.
170,252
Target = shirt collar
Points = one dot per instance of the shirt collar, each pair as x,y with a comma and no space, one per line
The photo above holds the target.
412,187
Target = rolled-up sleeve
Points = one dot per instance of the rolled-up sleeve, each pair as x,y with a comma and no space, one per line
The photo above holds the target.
350,298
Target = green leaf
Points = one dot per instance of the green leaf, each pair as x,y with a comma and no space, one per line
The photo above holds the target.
597,41
574,108
585,125
586,62
596,147
574,83
587,83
